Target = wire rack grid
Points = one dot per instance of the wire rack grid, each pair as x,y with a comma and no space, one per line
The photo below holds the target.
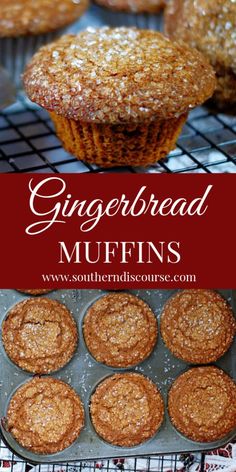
170,463
28,143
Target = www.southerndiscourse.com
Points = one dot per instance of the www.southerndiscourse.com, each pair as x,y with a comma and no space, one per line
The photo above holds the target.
118,278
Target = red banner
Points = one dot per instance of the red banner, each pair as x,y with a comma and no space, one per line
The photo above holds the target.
113,231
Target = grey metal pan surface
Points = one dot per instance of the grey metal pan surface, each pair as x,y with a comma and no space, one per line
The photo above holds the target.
83,373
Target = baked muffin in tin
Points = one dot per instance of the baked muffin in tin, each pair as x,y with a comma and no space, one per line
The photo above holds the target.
39,335
120,330
35,291
198,326
202,404
45,415
126,409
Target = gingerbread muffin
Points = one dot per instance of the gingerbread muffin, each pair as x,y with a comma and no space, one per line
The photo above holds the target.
198,326
39,335
45,415
126,409
120,330
202,404
26,17
36,291
118,96
209,26
134,6
25,25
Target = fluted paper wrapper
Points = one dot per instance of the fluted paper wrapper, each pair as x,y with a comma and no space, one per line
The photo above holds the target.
138,20
7,89
15,53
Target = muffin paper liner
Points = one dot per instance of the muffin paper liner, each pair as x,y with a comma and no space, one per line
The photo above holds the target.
15,53
139,20
118,145
7,89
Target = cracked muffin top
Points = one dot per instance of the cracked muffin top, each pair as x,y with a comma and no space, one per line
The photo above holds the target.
202,404
45,415
120,330
39,335
120,75
23,17
126,409
198,326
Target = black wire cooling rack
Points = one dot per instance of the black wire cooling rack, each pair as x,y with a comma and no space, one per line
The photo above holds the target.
28,144
169,463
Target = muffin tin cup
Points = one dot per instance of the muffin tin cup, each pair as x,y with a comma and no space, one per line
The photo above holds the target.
83,373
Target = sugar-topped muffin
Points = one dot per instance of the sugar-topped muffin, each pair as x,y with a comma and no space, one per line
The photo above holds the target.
45,415
34,291
120,330
39,335
202,404
198,326
32,17
26,25
209,26
118,96
126,409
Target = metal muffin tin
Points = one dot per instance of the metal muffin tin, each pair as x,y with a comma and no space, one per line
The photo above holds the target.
83,373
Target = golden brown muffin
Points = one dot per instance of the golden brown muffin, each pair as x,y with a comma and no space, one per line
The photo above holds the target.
26,25
202,404
120,330
118,96
209,26
36,291
45,415
31,17
39,335
134,6
198,326
126,409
